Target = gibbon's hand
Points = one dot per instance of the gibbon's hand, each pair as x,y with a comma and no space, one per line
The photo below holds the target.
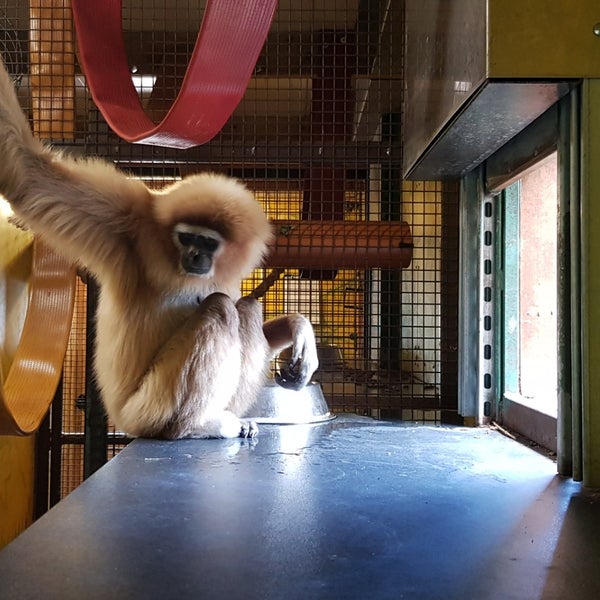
303,361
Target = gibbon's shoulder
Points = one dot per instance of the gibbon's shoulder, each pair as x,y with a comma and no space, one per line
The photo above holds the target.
214,198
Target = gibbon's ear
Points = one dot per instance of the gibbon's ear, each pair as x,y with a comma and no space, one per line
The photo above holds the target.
224,205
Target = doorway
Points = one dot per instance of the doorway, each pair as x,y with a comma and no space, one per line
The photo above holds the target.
528,402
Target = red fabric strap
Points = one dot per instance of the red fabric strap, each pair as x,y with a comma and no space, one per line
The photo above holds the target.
230,40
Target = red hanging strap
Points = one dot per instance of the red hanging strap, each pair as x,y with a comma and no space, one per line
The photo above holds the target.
230,40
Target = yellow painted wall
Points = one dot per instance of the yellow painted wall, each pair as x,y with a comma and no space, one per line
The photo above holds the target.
16,454
16,486
544,39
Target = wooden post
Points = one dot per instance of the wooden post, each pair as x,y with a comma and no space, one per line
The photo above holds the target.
52,58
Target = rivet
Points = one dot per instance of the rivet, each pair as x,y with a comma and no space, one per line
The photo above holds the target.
596,29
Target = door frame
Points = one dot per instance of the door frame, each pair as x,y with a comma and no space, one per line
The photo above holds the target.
556,130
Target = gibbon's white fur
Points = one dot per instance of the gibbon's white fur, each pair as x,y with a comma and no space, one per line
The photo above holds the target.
178,354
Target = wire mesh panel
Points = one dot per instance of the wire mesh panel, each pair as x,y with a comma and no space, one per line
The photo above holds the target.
317,137
73,397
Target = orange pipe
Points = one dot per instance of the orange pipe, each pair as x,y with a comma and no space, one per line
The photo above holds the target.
341,245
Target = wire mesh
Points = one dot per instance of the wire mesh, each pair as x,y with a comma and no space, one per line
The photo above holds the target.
71,473
317,136
73,396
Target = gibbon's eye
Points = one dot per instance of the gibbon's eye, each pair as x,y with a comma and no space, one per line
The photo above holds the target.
187,239
211,244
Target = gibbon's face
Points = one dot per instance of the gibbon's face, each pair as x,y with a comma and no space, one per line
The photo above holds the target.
198,247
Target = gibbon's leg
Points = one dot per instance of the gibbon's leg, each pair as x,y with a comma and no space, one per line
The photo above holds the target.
254,356
189,387
295,331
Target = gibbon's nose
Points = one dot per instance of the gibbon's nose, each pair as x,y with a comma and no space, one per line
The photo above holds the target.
196,261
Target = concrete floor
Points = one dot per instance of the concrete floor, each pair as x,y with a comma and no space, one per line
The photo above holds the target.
351,508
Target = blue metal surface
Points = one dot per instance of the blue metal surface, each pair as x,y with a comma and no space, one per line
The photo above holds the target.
349,508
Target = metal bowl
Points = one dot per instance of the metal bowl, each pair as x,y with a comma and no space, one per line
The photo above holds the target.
289,407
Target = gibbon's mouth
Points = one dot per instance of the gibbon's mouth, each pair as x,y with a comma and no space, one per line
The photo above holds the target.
197,272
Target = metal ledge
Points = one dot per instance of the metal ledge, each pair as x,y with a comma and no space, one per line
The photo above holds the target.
498,112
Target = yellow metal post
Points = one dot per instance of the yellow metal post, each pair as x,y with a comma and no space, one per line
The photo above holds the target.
590,279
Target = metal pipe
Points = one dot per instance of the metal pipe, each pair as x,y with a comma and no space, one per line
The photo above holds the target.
576,256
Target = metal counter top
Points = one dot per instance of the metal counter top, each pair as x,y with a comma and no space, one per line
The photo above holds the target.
349,508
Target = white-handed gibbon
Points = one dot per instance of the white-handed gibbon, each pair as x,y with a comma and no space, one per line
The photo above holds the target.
179,353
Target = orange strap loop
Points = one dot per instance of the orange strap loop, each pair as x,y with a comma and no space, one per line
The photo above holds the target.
36,369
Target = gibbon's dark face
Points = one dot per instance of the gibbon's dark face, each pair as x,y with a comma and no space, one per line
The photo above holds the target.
198,246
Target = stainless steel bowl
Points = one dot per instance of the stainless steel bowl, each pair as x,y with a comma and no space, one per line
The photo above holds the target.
287,407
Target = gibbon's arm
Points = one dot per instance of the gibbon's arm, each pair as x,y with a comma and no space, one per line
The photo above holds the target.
297,332
83,208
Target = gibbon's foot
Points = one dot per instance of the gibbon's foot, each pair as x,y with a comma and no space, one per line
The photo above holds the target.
222,425
249,429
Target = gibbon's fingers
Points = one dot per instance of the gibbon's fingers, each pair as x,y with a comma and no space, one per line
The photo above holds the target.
304,359
291,377
304,348
249,429
295,375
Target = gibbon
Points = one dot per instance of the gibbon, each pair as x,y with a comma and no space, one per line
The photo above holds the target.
179,353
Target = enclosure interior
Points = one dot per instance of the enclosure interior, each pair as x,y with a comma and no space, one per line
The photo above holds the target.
317,137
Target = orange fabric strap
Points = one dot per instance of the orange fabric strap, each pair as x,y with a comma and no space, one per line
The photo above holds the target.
36,369
230,40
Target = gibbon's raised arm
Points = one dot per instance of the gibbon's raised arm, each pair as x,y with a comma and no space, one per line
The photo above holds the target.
83,207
